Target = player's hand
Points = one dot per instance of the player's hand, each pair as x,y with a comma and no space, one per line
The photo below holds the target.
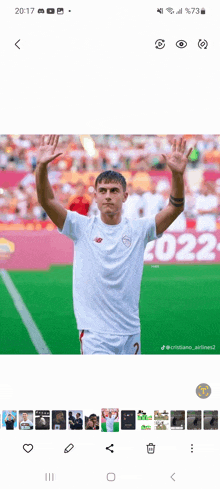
177,160
89,424
47,150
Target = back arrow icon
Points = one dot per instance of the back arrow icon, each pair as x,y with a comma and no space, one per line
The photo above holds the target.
172,477
16,44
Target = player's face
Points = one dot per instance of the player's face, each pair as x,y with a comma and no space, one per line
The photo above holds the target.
25,416
60,417
110,197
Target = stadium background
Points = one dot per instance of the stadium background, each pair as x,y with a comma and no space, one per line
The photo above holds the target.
179,302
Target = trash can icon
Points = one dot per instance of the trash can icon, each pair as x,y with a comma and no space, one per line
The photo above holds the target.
150,448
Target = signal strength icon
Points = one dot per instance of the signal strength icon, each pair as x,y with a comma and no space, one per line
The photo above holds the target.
170,10
180,11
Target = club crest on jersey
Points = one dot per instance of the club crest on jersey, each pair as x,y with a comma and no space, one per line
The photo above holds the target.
98,240
126,240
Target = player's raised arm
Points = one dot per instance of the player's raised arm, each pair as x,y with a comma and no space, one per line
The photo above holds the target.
46,153
177,162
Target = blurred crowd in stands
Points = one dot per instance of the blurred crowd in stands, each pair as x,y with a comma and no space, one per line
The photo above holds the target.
83,155
107,152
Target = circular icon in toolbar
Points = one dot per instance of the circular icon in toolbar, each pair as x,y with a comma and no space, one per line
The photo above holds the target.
160,44
203,391
203,44
181,44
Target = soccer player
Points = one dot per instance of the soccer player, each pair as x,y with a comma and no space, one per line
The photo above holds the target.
26,424
58,420
110,419
9,421
92,423
72,420
78,422
109,252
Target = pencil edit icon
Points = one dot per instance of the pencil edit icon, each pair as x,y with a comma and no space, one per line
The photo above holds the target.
68,448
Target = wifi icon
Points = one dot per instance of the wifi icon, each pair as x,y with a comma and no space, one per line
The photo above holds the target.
170,10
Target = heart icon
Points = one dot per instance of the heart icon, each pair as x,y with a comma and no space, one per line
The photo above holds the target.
27,447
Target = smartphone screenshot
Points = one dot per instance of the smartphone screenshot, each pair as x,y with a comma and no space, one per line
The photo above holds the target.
109,244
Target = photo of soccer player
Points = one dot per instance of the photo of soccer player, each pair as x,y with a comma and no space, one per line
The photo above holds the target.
9,420
177,420
161,420
210,420
26,420
194,420
96,206
58,420
92,422
42,420
109,251
110,420
75,420
144,420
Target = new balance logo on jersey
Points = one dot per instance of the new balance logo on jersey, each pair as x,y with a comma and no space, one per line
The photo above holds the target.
98,240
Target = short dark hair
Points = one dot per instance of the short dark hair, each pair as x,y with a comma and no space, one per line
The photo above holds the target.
109,177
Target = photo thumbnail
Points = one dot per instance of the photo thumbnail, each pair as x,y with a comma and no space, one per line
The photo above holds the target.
161,420
120,221
110,420
210,420
144,420
177,420
42,420
92,422
26,420
194,420
58,420
128,421
9,420
75,420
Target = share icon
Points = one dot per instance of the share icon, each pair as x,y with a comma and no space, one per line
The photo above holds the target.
110,448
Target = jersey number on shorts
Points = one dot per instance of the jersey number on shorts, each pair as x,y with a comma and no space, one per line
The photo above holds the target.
137,348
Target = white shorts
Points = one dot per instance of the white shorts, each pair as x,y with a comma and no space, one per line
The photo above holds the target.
93,343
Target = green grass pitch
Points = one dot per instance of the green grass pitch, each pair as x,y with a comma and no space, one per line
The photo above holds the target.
179,305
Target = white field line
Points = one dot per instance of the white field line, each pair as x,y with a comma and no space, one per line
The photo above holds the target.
30,325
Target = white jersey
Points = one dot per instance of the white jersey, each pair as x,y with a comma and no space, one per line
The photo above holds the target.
26,425
110,423
107,271
206,222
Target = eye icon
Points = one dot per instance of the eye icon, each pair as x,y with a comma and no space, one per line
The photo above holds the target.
181,44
